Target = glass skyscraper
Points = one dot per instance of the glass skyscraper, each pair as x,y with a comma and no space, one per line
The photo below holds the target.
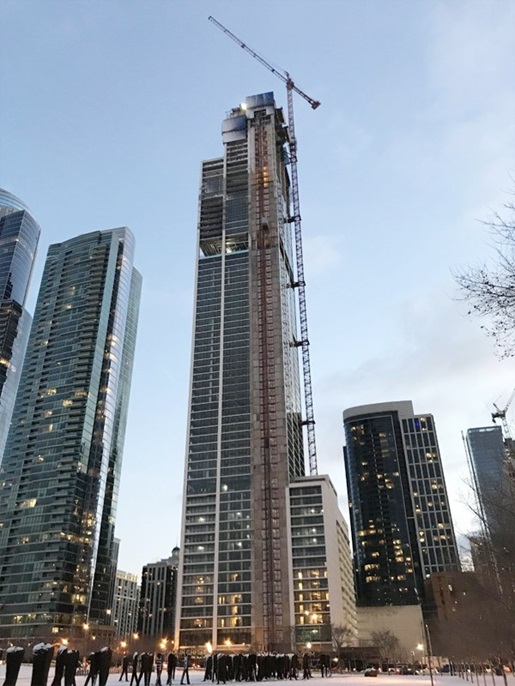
487,454
19,236
245,440
401,522
61,468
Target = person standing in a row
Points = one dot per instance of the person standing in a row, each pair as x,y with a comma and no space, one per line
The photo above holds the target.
60,662
185,669
147,663
134,674
125,668
306,666
13,659
70,667
104,664
170,666
159,668
93,669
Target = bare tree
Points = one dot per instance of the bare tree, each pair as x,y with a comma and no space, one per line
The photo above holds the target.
491,290
387,643
481,624
341,634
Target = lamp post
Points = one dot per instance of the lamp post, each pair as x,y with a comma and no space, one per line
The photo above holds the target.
85,628
420,648
429,651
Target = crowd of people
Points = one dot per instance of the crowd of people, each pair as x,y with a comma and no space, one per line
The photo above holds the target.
139,667
224,667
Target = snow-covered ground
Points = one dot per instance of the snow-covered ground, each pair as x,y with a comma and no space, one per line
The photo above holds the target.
196,677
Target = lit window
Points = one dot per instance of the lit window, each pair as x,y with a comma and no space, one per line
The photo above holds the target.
28,503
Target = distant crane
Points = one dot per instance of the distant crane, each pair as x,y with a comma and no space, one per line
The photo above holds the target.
295,219
508,441
501,414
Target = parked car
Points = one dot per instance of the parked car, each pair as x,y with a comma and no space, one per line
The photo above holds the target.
371,671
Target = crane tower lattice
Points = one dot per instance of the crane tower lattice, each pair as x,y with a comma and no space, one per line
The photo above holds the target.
295,219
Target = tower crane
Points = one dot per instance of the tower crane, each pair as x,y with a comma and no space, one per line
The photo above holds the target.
295,219
501,414
508,441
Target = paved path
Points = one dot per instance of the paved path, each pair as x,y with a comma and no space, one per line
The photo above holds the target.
196,677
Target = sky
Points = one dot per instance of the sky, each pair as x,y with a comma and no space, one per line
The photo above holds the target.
109,107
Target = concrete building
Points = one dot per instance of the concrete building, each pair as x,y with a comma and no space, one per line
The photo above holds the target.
62,461
400,517
125,604
245,442
19,236
158,598
323,583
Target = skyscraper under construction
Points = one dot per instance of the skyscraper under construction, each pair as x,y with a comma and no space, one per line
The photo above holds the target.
245,443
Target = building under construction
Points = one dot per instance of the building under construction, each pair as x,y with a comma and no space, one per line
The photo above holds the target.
245,427
245,439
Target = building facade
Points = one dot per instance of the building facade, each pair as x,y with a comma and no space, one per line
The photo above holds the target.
125,604
19,236
158,598
61,467
323,583
400,517
486,451
115,551
245,442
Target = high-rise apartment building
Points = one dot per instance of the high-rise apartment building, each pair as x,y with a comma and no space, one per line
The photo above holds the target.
487,460
323,583
400,517
61,467
158,598
125,604
245,442
19,236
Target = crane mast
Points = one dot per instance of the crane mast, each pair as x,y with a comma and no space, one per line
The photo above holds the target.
501,414
295,219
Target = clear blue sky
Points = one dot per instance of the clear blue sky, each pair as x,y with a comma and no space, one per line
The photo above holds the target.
108,108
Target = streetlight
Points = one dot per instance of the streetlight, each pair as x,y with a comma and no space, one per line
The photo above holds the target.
429,651
420,648
85,627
